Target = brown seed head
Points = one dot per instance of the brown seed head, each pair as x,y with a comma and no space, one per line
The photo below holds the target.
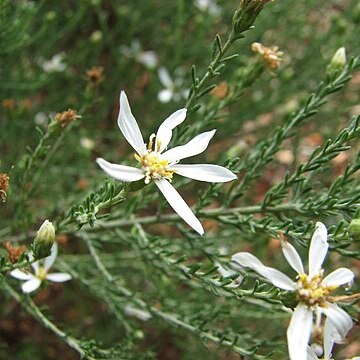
14,252
66,117
4,184
8,104
95,75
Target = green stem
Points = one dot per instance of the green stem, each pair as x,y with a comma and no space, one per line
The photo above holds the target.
32,309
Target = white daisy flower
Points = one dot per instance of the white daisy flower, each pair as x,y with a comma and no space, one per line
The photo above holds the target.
147,58
55,64
209,6
172,88
312,290
41,269
159,164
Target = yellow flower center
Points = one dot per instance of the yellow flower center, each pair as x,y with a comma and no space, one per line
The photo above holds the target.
41,273
154,166
312,290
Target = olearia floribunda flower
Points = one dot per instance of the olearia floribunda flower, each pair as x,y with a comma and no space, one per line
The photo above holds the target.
147,58
312,290
41,272
55,64
172,88
159,164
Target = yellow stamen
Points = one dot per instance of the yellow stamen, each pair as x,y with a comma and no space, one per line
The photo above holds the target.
41,273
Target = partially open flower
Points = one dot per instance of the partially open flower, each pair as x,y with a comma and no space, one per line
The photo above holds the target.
271,56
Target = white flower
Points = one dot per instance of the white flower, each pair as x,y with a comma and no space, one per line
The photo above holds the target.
159,164
172,89
208,5
311,289
140,314
33,281
225,272
55,64
330,337
147,58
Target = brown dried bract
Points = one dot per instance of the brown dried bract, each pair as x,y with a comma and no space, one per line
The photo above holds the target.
14,252
4,184
66,117
95,75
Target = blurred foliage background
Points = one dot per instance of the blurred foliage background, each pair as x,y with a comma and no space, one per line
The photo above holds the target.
79,55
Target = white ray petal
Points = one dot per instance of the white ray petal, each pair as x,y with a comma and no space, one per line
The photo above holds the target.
311,354
298,332
339,318
318,248
179,205
339,277
165,78
164,132
205,172
30,285
328,338
276,277
292,256
194,147
21,275
165,95
129,127
34,265
58,277
120,172
49,261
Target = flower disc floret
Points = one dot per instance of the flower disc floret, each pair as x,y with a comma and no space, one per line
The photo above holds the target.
312,290
154,166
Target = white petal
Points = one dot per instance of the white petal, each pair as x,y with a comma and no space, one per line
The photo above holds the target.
58,277
276,277
292,256
165,95
179,205
148,58
339,318
120,172
225,272
35,265
328,338
205,172
165,78
30,285
298,332
311,354
49,261
21,275
129,126
195,146
339,277
164,132
318,248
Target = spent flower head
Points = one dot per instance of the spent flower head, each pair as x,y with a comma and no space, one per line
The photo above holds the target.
41,272
271,56
66,117
312,290
4,185
160,165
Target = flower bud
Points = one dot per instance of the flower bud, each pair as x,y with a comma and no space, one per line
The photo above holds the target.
339,58
354,229
338,61
44,240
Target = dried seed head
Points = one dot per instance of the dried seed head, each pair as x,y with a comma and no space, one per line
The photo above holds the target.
8,104
95,75
4,184
66,117
271,56
14,252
